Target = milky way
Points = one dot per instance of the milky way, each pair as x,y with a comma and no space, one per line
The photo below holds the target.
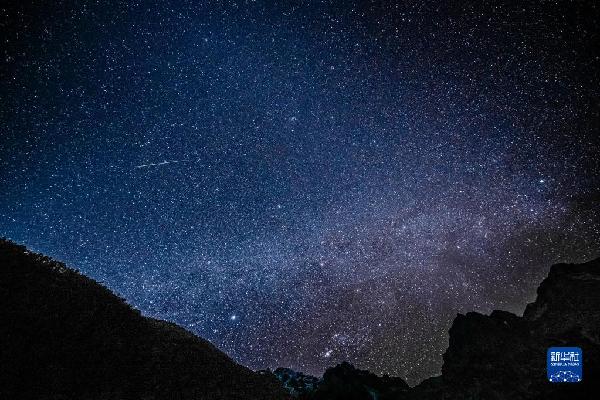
306,183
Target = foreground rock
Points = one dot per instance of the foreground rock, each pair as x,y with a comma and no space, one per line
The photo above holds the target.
501,355
342,382
64,336
346,382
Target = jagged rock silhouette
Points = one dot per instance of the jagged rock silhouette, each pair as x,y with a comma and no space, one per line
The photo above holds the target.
67,337
502,355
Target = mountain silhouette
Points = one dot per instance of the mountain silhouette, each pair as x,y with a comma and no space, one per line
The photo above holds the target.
503,356
64,336
67,337
500,356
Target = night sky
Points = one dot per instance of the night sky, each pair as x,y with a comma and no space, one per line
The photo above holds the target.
309,182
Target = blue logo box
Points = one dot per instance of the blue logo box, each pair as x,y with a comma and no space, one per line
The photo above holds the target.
564,364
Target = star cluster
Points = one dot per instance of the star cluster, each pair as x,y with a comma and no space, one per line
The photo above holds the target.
305,182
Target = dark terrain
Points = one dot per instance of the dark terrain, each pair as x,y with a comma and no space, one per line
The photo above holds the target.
500,356
64,336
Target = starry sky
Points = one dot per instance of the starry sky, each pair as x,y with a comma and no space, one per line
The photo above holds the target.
305,182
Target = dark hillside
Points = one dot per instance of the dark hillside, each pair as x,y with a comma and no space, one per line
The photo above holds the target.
65,336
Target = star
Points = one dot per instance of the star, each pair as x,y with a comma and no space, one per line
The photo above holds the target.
269,176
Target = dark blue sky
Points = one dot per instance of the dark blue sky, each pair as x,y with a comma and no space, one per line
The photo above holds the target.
305,183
